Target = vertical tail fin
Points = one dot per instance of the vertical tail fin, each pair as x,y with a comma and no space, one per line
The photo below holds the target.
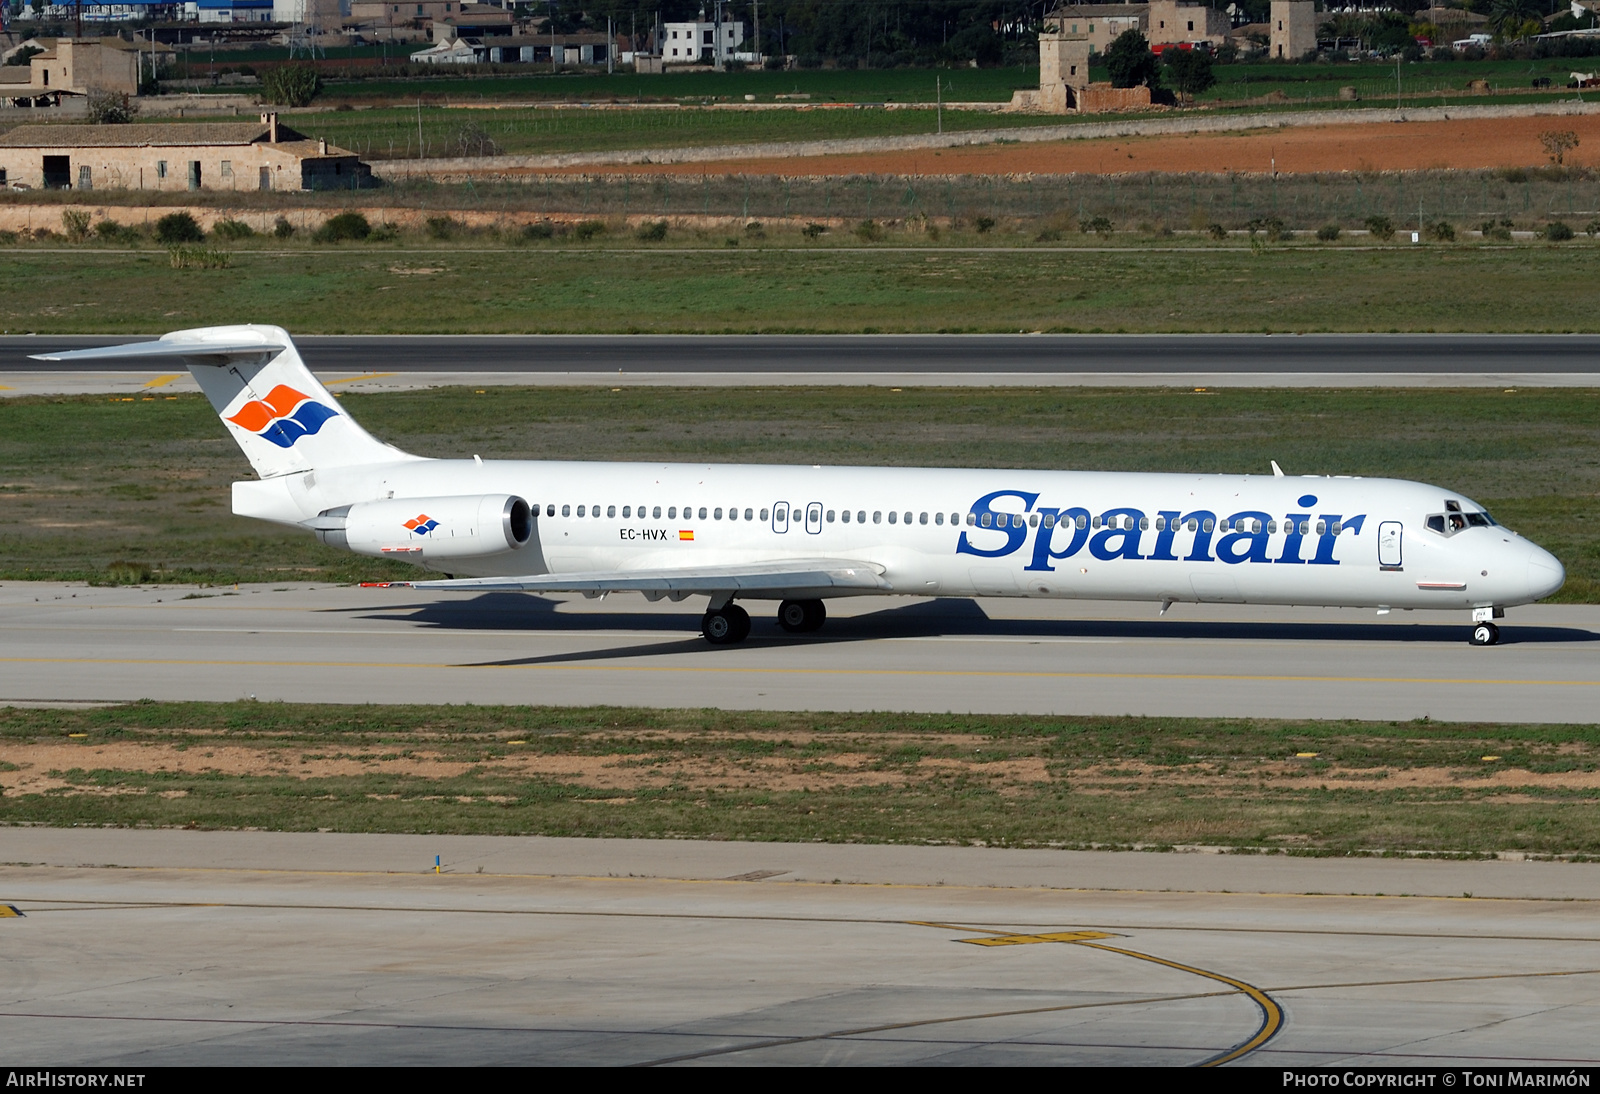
279,414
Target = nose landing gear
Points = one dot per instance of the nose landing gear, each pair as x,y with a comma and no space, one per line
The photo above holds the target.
1485,634
799,616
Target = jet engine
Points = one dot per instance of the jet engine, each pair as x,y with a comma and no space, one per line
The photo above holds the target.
418,529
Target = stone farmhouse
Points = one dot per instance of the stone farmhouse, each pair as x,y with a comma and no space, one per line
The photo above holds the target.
177,156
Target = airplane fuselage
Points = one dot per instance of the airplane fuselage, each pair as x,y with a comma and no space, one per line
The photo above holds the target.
946,532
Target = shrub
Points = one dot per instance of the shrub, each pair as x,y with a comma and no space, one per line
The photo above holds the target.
585,230
1496,229
1049,235
178,228
869,231
75,224
471,140
110,231
1328,233
1100,226
281,228
812,230
231,229
651,231
1217,231
341,227
198,258
291,85
122,572
1272,226
1592,229
110,107
7,237
984,224
1381,227
754,230
1557,231
1442,231
442,227
542,230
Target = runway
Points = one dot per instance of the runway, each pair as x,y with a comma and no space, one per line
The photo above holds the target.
354,645
146,948
1016,360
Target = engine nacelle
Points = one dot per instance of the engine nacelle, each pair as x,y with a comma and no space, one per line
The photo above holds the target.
418,529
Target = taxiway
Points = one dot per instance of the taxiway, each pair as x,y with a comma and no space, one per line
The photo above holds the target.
62,642
144,948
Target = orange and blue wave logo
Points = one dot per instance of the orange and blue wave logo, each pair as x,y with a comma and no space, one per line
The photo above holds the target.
284,416
421,524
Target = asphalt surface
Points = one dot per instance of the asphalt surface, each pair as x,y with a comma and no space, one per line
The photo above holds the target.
302,643
1372,354
143,948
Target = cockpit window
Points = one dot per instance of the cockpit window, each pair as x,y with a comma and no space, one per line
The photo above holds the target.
1448,524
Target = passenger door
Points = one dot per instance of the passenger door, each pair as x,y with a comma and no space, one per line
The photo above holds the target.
1389,535
814,517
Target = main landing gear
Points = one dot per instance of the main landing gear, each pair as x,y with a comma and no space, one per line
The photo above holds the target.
730,623
726,625
1485,634
799,616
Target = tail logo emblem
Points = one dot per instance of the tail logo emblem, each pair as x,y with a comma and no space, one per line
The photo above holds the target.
283,417
421,524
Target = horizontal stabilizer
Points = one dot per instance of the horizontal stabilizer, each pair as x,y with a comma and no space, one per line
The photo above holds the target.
166,349
815,573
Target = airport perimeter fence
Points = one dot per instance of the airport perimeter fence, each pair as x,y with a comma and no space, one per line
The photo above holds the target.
1127,202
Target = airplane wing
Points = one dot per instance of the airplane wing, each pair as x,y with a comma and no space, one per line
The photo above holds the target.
787,575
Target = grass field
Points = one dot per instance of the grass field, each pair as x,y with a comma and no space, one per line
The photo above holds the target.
90,481
1326,787
753,286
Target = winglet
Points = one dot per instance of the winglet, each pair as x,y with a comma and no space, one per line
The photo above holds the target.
1277,472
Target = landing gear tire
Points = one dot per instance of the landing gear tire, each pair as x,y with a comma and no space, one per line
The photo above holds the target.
725,626
1485,634
799,616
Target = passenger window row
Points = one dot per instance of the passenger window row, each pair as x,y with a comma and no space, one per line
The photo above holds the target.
1446,524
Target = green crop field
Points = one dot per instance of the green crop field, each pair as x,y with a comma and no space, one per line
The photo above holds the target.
149,475
1309,787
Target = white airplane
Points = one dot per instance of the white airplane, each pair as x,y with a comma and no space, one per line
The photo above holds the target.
799,535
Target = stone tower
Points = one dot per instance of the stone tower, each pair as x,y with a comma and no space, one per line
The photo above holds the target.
1294,29
1063,69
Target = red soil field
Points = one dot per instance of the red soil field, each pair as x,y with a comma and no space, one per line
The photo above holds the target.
1377,146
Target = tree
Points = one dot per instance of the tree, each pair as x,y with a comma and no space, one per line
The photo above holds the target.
1557,143
1510,18
1189,71
108,107
1130,60
291,85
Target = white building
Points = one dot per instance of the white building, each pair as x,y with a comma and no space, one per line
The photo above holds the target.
702,40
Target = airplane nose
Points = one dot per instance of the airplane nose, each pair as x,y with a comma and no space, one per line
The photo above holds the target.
1545,573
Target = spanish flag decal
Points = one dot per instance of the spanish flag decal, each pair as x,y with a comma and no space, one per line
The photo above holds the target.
685,534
